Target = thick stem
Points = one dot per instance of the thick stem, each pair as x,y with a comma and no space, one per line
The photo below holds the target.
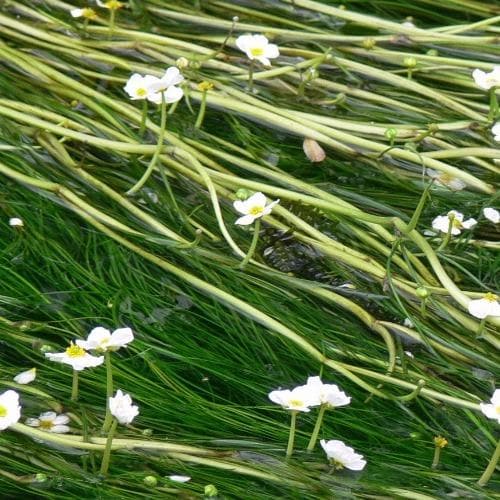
112,16
74,387
418,211
317,427
144,117
107,450
163,124
253,245
437,456
291,436
109,391
250,75
493,105
483,480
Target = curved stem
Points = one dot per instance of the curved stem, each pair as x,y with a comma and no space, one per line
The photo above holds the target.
253,245
201,112
317,427
163,123
144,117
291,436
483,480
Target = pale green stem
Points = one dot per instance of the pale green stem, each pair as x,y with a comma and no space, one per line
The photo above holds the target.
74,387
418,211
291,436
112,17
250,75
437,456
201,112
317,427
492,465
493,105
107,450
480,329
253,245
109,391
144,117
163,123
447,237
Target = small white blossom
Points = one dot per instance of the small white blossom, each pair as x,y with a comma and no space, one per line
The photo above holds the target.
122,409
487,306
100,339
166,85
442,222
409,354
25,377
492,214
110,4
10,411
75,356
253,208
258,47
179,479
342,456
328,394
408,323
492,410
495,130
50,421
447,180
487,80
298,399
16,222
138,86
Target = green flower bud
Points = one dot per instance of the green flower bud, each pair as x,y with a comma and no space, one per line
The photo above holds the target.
150,481
147,432
40,477
210,491
410,62
422,292
391,133
46,348
243,194
368,43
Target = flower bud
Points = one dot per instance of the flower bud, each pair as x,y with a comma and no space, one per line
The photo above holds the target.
147,432
210,491
243,194
369,43
391,133
410,62
40,477
46,348
313,150
150,481
440,441
182,63
205,86
422,292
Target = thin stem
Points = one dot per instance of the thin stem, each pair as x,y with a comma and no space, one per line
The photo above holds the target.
317,427
107,450
74,387
163,123
291,436
109,391
437,456
253,245
493,105
480,328
144,117
418,211
250,75
483,480
447,238
201,112
112,16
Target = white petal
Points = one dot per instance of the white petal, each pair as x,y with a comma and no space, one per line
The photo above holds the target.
179,479
173,94
121,337
264,60
492,214
257,200
271,51
48,415
98,335
495,399
245,220
76,12
25,377
241,206
469,223
172,76
32,422
61,419
243,42
60,429
16,221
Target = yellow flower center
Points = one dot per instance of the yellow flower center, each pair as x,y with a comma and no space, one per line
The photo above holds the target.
256,210
336,464
88,13
491,297
3,411
257,51
75,351
205,86
113,4
440,441
141,92
497,410
456,223
296,402
46,425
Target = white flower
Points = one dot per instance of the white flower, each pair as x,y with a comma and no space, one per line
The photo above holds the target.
442,222
86,13
16,222
138,86
25,377
122,409
179,479
487,80
75,356
100,339
447,180
10,411
50,421
166,85
492,410
408,24
258,47
253,208
298,399
342,455
408,323
328,394
495,130
487,306
492,214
